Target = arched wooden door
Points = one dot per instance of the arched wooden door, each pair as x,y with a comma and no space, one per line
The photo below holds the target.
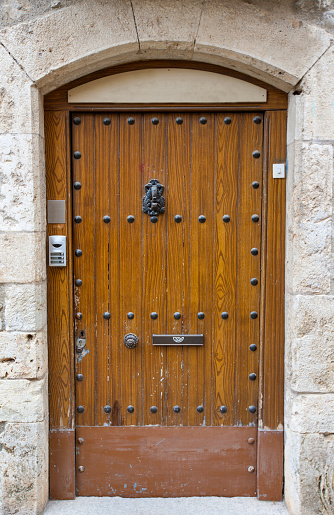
174,247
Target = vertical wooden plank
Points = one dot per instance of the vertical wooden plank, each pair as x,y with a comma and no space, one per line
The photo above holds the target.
177,264
84,265
60,315
154,271
273,337
130,266
225,267
198,360
104,152
248,295
59,279
115,338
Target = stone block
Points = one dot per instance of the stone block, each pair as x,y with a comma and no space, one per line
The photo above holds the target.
22,185
309,473
309,212
318,99
88,33
268,38
17,95
23,356
167,25
25,307
22,257
312,413
23,400
24,466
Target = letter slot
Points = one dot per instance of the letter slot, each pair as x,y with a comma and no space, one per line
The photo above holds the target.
57,250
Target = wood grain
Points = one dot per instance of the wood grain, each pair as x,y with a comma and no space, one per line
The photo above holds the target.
248,267
154,272
177,258
84,239
273,337
57,99
130,263
225,268
60,323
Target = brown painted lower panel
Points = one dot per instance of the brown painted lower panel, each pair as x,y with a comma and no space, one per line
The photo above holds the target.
62,464
270,465
166,461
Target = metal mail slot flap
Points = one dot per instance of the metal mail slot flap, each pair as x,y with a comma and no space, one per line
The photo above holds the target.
177,339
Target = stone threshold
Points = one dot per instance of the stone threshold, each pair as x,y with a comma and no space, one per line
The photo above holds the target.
160,506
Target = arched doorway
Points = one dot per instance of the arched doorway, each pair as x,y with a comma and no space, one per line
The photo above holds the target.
173,372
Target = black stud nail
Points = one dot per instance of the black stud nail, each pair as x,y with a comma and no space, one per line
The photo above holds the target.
256,154
253,347
253,315
78,252
255,185
77,185
77,154
154,315
78,219
153,409
80,409
199,409
77,120
223,409
107,409
226,219
131,121
155,121
79,377
179,120
130,219
224,315
81,468
154,219
176,409
254,281
177,315
255,218
254,252
106,121
78,282
106,315
252,377
252,409
201,219
227,120
203,120
130,315
130,409
78,316
178,218
257,119
200,315
106,219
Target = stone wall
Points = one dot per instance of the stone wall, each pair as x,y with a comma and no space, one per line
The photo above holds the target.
46,43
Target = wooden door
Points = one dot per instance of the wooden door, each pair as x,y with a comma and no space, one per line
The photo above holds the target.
160,420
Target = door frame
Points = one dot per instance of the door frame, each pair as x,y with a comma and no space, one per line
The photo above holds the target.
60,280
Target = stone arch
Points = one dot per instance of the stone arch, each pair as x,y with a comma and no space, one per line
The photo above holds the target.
279,45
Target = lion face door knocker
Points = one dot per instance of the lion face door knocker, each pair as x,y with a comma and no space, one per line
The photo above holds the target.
153,201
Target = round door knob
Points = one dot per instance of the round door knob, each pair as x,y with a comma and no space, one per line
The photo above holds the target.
130,340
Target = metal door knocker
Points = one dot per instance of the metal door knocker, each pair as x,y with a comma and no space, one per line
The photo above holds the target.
153,201
130,340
